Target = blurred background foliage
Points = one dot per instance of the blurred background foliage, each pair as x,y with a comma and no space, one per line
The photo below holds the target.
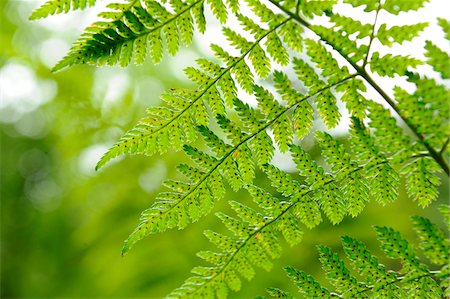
62,224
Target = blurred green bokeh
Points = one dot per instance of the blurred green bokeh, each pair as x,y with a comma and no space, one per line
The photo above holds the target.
62,224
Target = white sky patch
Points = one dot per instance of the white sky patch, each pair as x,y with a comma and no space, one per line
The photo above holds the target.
51,51
150,180
110,86
147,90
45,195
21,91
89,157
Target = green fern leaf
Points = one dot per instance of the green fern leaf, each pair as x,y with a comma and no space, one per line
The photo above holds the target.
353,98
397,6
445,25
420,284
422,183
283,133
244,76
390,65
433,240
329,196
306,74
341,42
383,179
138,24
307,285
353,185
391,139
369,268
219,10
325,61
425,121
276,49
438,59
198,16
237,40
433,95
292,36
311,8
277,293
303,113
338,274
260,62
52,7
399,34
327,108
290,228
351,26
265,14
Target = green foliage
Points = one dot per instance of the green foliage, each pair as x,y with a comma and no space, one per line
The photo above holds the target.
415,279
229,140
59,6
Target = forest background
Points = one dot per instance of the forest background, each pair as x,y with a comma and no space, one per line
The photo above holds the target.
62,223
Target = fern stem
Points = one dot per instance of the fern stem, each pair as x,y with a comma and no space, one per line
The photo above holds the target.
362,72
372,35
444,147
433,153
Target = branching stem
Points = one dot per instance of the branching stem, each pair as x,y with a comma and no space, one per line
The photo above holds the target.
372,34
362,72
444,147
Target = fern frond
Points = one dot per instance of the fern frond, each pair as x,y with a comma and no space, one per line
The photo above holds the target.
276,49
369,268
350,26
433,94
390,65
277,293
164,128
135,29
417,276
169,127
338,274
302,117
52,7
414,279
171,211
219,9
252,244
